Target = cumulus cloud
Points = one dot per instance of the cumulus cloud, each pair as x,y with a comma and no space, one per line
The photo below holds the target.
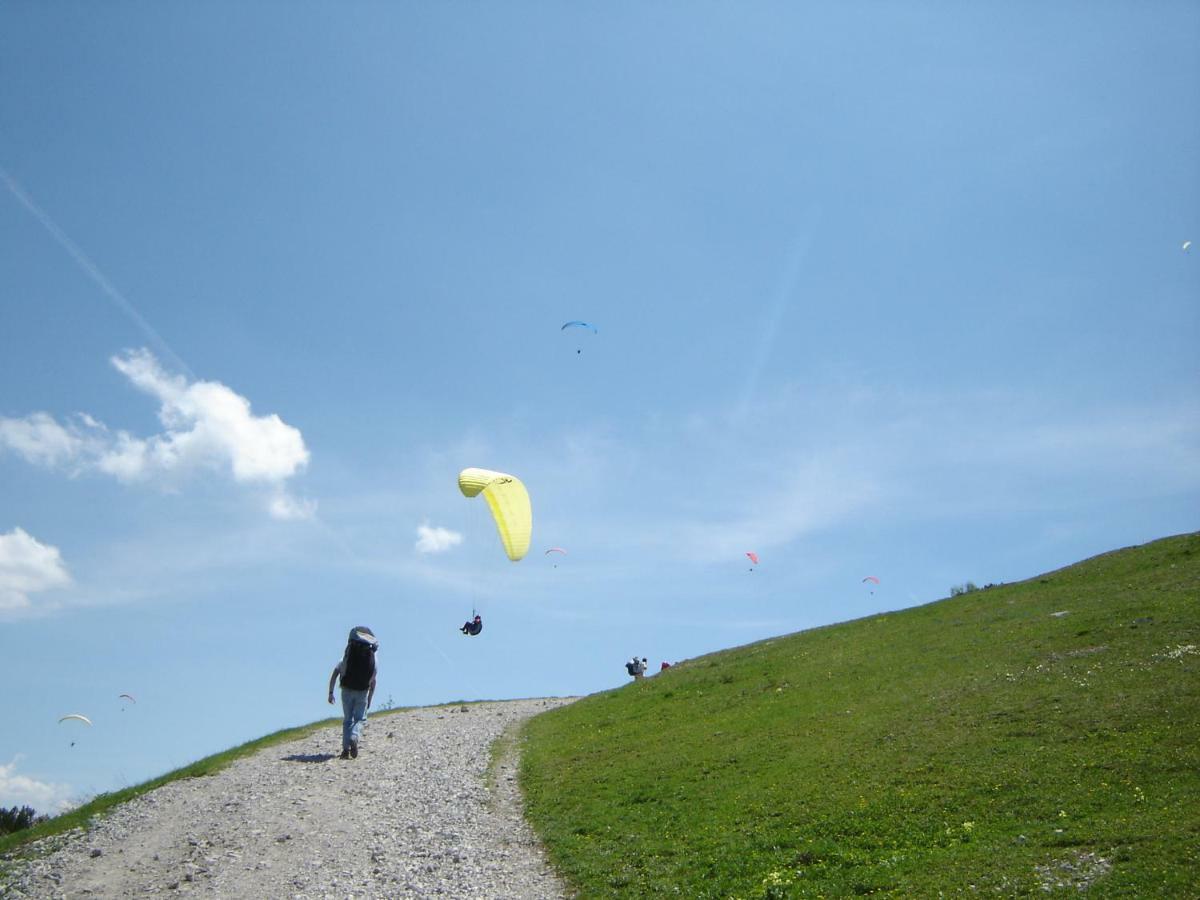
27,566
436,539
206,427
21,790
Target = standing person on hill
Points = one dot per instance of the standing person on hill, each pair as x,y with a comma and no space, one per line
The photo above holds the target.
357,671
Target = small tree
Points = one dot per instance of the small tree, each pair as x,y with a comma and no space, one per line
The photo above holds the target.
18,818
959,589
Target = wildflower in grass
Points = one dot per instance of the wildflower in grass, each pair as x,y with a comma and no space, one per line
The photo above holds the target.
1181,651
776,884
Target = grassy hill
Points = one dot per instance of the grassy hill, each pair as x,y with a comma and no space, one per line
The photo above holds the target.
1032,736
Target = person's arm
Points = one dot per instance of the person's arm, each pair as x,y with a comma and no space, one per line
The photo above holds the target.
332,679
371,692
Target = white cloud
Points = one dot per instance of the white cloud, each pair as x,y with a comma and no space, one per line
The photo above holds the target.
805,463
27,566
21,790
41,440
817,494
207,427
436,539
286,508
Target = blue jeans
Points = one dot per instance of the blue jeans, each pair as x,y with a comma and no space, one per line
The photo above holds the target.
354,708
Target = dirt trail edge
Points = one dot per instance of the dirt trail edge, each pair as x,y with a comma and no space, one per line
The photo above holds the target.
413,816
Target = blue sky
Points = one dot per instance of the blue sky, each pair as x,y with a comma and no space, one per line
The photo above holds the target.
879,289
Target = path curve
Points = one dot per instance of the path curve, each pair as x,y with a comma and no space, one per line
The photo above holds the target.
416,815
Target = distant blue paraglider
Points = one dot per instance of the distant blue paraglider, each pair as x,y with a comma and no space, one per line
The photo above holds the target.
575,323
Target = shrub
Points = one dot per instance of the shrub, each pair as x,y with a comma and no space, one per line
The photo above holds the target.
18,818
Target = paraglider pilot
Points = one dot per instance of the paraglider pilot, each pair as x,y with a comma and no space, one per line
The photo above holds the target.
472,626
357,672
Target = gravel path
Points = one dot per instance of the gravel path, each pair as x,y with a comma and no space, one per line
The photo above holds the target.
413,816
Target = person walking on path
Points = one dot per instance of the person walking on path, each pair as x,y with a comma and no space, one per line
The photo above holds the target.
357,672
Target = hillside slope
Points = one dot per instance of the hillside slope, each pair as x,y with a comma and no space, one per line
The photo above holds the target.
425,810
1030,736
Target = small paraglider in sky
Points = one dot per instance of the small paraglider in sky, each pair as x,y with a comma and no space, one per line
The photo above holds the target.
555,550
575,325
753,559
128,697
1186,244
76,717
872,579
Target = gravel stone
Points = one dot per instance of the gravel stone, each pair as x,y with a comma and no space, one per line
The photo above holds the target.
412,816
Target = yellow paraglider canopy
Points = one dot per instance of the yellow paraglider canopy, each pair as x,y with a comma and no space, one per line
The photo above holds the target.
509,502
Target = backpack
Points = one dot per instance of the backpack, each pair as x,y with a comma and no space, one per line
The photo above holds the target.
631,668
358,665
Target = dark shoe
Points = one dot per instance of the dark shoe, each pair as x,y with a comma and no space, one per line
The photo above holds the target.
345,754
354,749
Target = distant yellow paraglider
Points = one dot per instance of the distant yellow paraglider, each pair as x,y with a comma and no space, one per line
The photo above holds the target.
509,502
1186,244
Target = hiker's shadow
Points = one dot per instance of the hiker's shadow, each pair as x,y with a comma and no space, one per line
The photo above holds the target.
309,757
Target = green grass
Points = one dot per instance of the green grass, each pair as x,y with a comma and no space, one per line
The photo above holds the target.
979,743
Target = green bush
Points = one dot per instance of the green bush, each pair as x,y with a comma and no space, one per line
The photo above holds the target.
18,818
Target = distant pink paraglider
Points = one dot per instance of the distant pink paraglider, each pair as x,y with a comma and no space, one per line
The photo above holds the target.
753,557
872,579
